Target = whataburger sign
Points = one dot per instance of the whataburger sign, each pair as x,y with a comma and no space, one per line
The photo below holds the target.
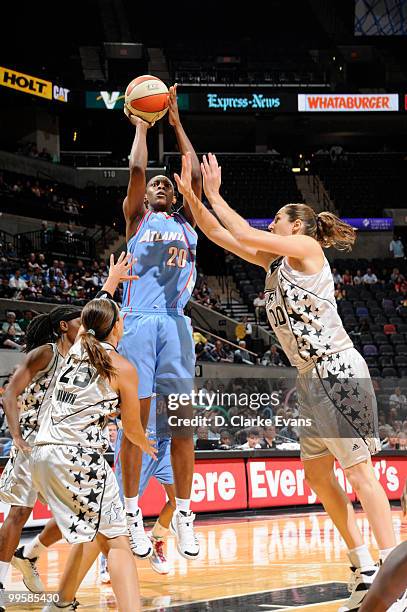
318,103
27,83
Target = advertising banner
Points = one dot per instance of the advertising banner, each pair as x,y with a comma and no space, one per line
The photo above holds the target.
318,103
220,485
367,224
25,83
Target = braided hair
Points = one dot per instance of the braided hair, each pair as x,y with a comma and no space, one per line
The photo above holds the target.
45,328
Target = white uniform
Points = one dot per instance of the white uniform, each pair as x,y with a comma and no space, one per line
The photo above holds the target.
334,388
16,486
67,462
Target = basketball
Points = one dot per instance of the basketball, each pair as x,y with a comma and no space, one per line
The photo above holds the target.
147,97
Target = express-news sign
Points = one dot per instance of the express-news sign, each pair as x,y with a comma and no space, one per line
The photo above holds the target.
35,86
318,103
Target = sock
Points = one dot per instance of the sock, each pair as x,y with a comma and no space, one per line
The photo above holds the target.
159,532
3,571
182,504
360,556
34,549
384,553
131,504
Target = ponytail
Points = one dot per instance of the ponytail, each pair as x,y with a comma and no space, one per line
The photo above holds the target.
98,318
45,328
325,227
98,356
332,232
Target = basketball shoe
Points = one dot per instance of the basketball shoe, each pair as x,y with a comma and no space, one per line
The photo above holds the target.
360,583
103,570
182,525
158,560
140,543
28,568
69,607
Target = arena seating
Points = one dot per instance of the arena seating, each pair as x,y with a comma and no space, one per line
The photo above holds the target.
255,185
363,184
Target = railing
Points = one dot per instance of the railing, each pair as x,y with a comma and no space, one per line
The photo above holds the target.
58,244
323,198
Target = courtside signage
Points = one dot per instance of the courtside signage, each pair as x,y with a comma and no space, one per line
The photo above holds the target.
319,103
110,100
26,83
254,101
363,224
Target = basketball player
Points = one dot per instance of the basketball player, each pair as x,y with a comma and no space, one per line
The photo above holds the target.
157,336
49,338
162,471
334,387
67,462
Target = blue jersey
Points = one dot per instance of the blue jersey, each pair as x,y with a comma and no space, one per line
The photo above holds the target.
165,248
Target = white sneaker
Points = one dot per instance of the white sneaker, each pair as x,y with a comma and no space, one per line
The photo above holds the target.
400,605
182,525
28,568
140,543
363,578
352,578
103,570
70,607
158,559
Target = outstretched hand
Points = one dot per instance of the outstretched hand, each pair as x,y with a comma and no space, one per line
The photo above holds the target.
173,113
184,182
119,271
212,175
136,121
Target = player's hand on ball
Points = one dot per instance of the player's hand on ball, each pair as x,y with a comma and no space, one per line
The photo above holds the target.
184,182
136,121
120,270
173,113
211,174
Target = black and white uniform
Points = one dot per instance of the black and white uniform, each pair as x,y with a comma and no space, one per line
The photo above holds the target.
16,486
67,462
334,388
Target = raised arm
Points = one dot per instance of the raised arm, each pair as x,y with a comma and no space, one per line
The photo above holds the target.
185,146
36,361
133,205
298,246
211,226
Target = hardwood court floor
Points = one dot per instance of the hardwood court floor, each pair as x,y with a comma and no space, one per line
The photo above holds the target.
289,561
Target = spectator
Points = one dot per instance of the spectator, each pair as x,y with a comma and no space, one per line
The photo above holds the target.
272,357
112,427
396,247
17,282
259,304
198,337
226,440
347,278
370,277
6,292
221,353
269,438
337,278
340,294
253,440
11,324
358,278
202,353
241,355
399,401
202,441
26,319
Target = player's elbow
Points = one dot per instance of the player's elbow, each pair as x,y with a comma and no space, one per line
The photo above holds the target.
137,170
